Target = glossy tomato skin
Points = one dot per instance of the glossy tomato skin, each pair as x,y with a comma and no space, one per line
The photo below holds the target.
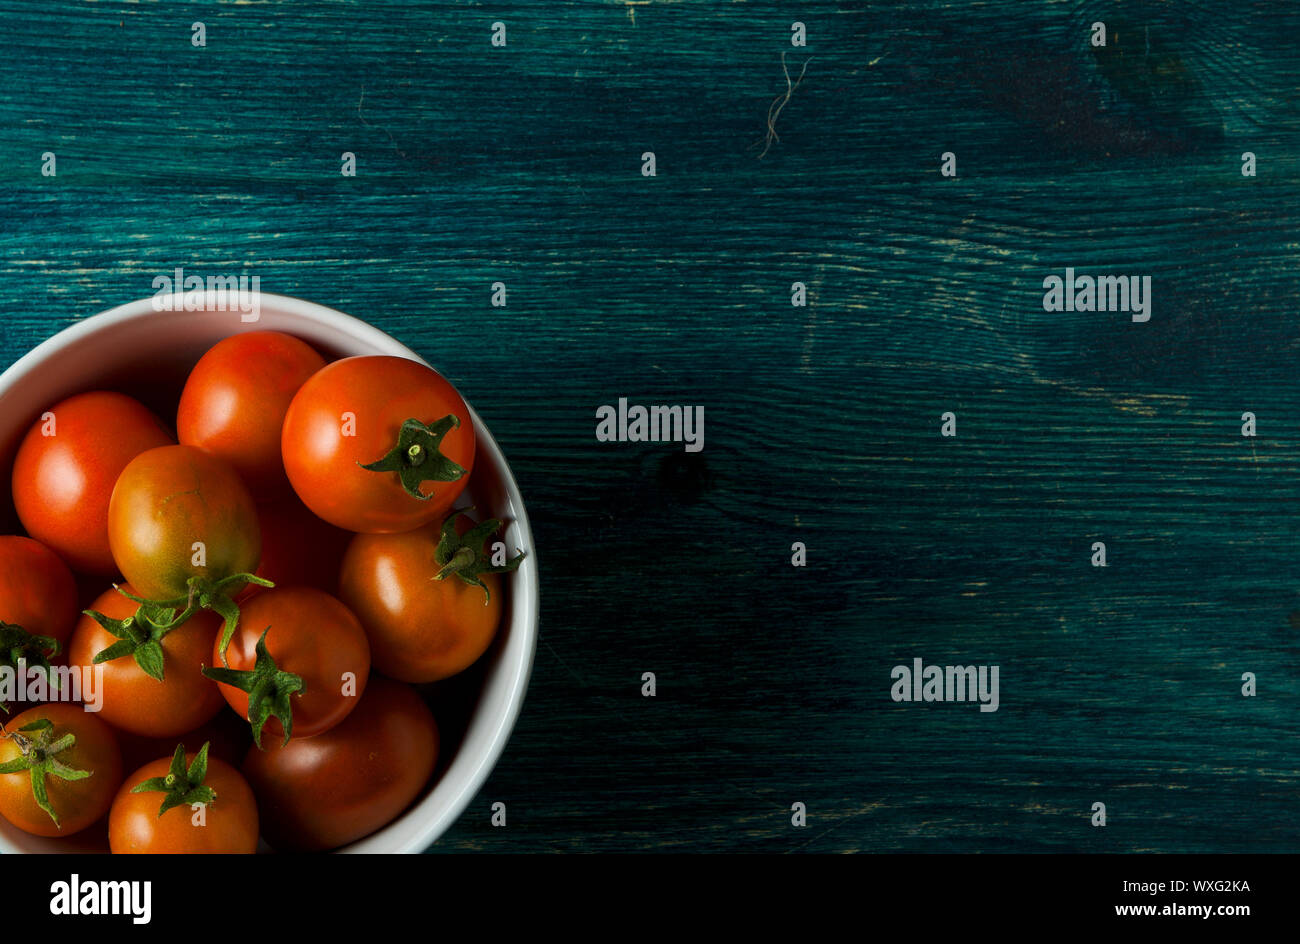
168,499
323,452
420,629
298,549
79,803
229,824
61,483
312,635
133,701
234,402
324,792
37,591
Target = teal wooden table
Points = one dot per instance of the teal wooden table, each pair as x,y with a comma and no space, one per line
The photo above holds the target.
523,164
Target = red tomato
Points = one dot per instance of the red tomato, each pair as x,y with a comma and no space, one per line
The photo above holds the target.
310,635
37,591
234,402
298,549
65,470
38,608
178,512
354,413
76,802
226,823
134,701
326,791
422,629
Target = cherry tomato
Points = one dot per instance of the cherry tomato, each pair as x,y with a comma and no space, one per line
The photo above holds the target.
65,470
423,629
224,824
37,591
310,635
234,402
323,792
298,549
178,512
76,802
134,701
357,412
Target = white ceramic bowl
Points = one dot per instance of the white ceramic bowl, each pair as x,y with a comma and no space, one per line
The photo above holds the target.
106,351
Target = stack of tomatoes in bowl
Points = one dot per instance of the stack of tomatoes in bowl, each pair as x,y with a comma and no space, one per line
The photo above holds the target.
266,594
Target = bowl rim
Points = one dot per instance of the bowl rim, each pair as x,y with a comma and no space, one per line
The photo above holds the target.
419,836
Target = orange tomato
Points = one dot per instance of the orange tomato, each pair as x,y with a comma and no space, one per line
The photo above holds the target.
421,629
134,701
178,512
77,802
226,824
322,792
310,635
65,470
355,413
38,593
234,402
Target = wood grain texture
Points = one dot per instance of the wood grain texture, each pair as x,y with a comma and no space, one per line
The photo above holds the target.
822,423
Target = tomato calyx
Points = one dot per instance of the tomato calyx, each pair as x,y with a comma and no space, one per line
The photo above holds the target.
218,596
183,785
204,594
40,755
417,457
20,649
268,687
140,636
463,555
